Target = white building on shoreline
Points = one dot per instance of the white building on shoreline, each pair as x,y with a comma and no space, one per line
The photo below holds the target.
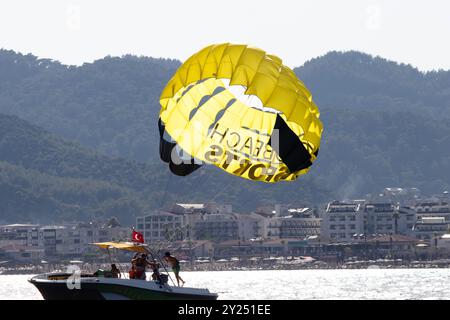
341,221
432,208
347,221
58,241
430,229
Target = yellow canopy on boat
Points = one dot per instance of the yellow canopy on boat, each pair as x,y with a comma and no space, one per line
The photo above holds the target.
129,246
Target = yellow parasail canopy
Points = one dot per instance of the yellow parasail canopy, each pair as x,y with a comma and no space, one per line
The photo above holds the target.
129,246
242,110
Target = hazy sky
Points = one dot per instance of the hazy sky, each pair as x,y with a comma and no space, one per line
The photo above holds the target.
409,31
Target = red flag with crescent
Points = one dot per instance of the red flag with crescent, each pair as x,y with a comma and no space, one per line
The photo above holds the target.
137,237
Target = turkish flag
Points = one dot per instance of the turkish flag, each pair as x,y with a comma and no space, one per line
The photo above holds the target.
137,237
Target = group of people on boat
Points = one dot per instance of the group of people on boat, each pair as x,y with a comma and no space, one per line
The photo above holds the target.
113,273
140,263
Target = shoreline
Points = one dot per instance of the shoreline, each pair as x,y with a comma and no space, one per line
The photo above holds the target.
214,266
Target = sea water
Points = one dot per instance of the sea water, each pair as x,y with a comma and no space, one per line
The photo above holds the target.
293,284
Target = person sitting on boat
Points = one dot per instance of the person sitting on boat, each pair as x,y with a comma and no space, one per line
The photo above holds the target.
132,272
175,264
139,265
155,268
115,272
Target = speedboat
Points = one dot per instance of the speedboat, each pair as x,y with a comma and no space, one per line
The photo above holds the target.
67,286
104,286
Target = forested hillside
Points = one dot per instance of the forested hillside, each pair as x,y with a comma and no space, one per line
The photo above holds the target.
46,178
88,141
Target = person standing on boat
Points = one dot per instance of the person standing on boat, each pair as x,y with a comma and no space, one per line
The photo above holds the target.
175,264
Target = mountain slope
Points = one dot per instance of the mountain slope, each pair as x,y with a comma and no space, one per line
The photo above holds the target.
34,148
30,196
385,125
109,105
354,79
46,178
